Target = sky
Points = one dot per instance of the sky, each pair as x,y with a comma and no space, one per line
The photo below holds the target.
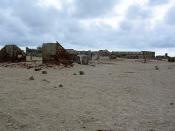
118,25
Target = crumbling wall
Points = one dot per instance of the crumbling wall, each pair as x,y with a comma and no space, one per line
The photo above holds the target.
149,54
82,59
104,53
34,52
87,53
12,53
54,53
133,55
171,59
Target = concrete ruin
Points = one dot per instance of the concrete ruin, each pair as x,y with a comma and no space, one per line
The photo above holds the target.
171,59
12,53
104,53
82,59
73,54
161,57
87,53
133,55
34,52
54,53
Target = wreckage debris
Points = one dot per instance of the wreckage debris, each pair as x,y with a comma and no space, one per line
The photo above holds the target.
46,80
74,74
60,85
29,67
81,72
44,72
105,130
93,65
31,78
171,103
156,68
38,69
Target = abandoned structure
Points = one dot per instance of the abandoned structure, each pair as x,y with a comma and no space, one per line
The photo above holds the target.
104,53
12,53
34,52
72,51
87,53
160,57
54,53
133,55
171,59
82,59
73,54
148,54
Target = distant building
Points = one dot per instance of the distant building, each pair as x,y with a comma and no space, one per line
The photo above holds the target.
148,54
34,52
171,59
166,55
134,55
87,53
104,53
72,51
160,57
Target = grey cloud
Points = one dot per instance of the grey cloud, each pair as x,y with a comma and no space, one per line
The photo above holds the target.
136,19
170,17
126,25
157,2
137,12
134,27
93,8
26,23
163,36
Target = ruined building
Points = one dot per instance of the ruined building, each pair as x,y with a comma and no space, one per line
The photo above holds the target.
54,53
161,57
34,52
171,59
12,53
134,55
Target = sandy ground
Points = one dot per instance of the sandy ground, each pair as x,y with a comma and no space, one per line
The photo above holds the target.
117,96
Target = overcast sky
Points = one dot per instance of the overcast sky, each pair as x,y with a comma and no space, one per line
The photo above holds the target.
90,24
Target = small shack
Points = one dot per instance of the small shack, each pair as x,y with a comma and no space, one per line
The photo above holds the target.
12,53
54,53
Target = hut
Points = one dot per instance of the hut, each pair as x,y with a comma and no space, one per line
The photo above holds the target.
12,53
54,53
